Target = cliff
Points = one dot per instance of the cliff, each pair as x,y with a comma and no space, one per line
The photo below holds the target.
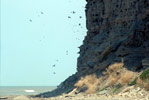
118,31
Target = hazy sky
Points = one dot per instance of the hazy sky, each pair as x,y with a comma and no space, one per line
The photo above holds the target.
39,43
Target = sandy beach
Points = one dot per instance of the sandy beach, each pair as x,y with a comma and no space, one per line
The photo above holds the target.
129,93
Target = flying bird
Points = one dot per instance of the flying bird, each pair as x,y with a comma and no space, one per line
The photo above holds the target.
66,52
69,17
30,20
73,12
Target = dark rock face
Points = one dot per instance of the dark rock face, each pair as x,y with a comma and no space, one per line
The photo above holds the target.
65,87
117,29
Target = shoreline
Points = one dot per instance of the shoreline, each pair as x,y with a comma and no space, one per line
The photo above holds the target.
128,93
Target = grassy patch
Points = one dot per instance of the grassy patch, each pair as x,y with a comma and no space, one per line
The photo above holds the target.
116,88
134,82
102,89
145,75
143,80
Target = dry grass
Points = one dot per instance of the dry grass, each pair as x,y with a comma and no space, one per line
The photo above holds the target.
139,81
146,86
127,77
144,82
115,67
119,75
113,80
90,81
115,74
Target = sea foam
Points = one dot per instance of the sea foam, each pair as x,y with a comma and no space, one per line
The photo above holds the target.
29,90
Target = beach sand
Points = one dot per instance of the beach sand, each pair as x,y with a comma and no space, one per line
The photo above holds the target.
129,93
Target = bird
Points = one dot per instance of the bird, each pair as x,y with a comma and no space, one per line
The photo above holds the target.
54,73
66,52
41,12
69,17
80,16
30,20
54,65
79,24
77,39
73,12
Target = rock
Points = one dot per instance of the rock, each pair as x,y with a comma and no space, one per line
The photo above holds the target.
145,61
103,92
127,89
73,92
115,27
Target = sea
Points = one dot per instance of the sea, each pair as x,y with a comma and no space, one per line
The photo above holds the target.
24,90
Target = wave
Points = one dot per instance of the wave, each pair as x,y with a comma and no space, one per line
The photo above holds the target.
29,90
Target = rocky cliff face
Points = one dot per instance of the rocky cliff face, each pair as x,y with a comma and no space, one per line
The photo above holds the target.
118,30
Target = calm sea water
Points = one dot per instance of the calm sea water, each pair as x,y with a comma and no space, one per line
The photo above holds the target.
24,90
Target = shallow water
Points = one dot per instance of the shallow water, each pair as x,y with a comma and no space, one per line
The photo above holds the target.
24,90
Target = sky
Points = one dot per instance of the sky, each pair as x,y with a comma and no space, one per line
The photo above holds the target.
40,40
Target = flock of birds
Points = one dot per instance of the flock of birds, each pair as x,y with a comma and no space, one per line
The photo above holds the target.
30,20
73,12
54,65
